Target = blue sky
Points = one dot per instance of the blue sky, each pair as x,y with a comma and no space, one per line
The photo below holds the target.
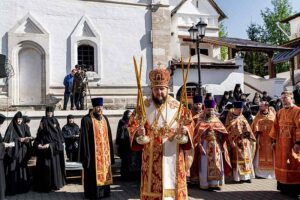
241,13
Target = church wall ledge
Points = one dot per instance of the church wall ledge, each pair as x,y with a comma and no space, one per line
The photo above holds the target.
113,116
61,113
126,2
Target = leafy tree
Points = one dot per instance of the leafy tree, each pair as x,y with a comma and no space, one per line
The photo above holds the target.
268,33
255,61
223,33
281,10
257,33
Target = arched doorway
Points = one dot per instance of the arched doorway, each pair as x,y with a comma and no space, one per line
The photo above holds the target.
31,70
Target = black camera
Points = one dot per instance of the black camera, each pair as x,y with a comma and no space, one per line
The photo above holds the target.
86,67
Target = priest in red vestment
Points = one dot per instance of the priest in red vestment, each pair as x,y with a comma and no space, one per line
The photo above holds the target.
286,134
210,142
264,156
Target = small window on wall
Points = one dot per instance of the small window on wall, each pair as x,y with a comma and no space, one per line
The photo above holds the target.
85,55
193,51
202,51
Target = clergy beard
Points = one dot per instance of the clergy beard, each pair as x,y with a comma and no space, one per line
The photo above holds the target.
198,110
265,112
288,105
159,102
98,115
209,115
97,111
236,115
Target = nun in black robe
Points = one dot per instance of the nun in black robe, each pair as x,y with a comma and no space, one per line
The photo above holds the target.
26,121
224,101
237,92
2,174
2,153
93,187
50,163
131,160
71,134
16,159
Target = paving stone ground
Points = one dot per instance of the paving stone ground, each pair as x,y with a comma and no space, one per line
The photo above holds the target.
120,190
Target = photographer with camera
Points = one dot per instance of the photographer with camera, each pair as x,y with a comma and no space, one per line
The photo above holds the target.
79,87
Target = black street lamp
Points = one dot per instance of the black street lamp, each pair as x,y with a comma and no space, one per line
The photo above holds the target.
197,33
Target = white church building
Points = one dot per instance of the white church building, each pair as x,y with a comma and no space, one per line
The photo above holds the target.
217,76
43,40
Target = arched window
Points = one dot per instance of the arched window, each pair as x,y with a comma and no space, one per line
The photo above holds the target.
86,56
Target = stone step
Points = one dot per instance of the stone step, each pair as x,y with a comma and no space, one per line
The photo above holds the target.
35,107
104,90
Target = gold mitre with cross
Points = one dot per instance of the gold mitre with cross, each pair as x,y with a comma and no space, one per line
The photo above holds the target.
159,77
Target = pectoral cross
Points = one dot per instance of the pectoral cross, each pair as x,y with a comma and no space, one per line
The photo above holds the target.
166,129
155,129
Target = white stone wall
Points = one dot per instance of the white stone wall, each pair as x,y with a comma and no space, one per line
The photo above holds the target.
273,86
295,28
215,81
124,31
187,15
174,3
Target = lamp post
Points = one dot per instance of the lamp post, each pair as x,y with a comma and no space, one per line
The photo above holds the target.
197,33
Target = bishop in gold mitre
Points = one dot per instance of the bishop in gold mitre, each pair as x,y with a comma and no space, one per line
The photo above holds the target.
163,162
